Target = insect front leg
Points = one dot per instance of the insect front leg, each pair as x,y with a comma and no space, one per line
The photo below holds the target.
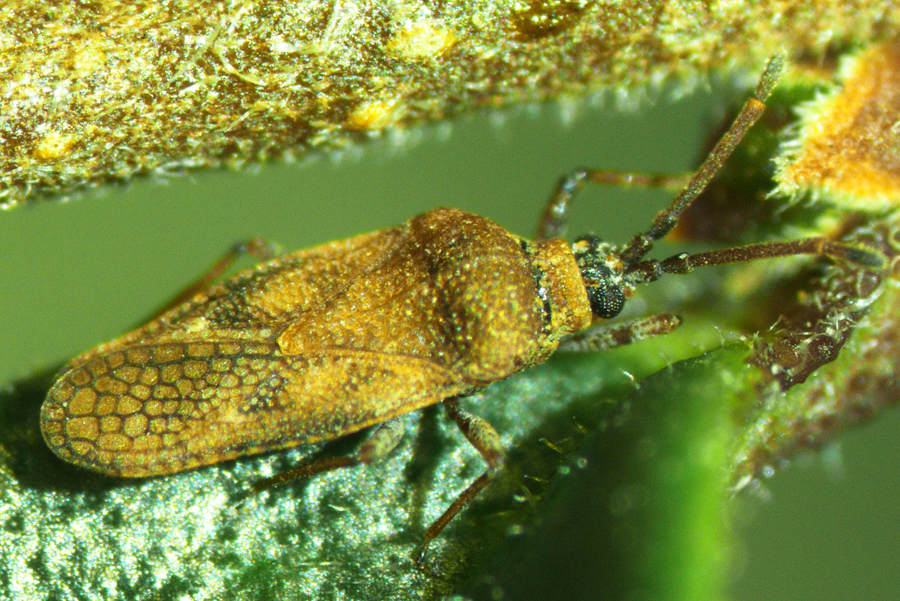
552,223
485,439
382,441
605,335
553,220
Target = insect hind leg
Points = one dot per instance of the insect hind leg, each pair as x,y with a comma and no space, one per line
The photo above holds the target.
382,441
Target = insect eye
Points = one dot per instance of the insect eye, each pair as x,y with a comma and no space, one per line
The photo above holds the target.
603,288
606,298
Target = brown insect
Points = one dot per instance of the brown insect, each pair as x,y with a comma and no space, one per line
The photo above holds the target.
327,341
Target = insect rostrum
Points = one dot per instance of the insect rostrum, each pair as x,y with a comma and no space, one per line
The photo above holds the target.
327,341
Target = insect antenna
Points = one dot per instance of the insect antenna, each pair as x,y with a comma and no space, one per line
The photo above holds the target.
648,271
665,220
638,271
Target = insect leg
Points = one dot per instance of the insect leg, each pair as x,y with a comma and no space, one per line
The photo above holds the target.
255,247
611,335
485,439
553,220
382,441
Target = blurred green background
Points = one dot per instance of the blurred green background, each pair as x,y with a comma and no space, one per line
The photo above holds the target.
77,273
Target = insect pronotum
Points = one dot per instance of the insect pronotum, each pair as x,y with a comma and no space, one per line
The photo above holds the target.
327,341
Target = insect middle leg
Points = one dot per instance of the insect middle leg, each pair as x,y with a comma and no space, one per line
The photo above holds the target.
485,439
255,247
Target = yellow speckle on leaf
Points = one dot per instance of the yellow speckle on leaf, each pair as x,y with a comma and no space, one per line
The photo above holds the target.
421,40
375,115
53,146
88,57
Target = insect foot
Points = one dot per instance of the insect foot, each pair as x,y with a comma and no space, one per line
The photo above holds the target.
327,341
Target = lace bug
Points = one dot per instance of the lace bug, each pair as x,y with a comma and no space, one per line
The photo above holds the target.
323,342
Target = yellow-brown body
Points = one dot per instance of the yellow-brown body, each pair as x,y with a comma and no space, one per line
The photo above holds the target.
327,341
318,344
